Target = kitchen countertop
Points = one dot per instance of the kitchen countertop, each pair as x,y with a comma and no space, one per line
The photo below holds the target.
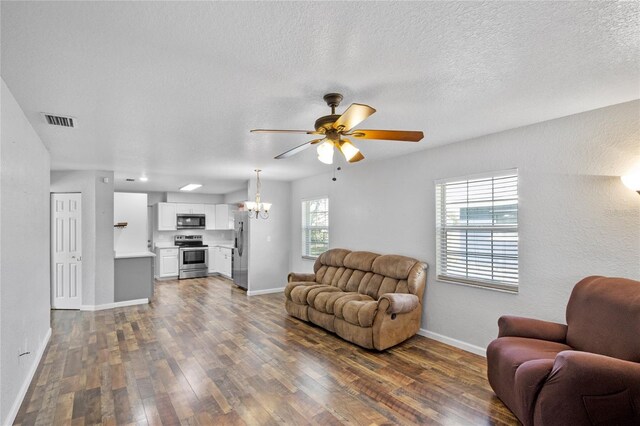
227,246
223,244
134,255
166,245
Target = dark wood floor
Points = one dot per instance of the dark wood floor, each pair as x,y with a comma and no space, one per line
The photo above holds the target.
205,353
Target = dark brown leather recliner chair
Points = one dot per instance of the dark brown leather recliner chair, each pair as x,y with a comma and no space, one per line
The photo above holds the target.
584,373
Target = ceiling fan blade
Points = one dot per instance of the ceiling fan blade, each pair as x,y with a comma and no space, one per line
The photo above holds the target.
297,149
308,132
354,115
389,135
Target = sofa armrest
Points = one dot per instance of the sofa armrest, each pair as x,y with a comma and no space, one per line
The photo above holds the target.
293,276
400,303
531,328
588,388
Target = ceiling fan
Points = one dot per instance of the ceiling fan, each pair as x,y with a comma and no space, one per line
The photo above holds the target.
334,126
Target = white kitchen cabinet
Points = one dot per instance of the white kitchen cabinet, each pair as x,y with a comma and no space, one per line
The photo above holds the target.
222,258
167,262
210,217
225,258
183,208
212,260
166,216
224,216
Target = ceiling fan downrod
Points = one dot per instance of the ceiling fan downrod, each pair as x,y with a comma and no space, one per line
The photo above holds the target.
333,100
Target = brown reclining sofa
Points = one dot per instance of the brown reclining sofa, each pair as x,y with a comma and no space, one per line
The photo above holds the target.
584,373
372,300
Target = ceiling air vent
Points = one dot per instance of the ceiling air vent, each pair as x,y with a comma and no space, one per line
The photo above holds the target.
58,120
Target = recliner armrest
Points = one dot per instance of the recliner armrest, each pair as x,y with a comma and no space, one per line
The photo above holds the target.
513,326
588,388
400,303
293,276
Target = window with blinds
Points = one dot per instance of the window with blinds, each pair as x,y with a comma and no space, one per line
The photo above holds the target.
477,230
315,227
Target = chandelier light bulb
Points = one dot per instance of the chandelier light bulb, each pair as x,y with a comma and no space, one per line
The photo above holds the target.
257,208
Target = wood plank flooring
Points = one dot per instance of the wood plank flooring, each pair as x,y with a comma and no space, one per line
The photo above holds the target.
203,353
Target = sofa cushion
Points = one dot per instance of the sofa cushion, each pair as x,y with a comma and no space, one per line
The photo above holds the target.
603,317
332,275
361,260
353,283
313,294
324,301
505,355
333,257
339,304
393,266
293,284
360,312
299,293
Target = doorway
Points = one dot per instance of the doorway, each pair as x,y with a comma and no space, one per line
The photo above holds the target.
66,250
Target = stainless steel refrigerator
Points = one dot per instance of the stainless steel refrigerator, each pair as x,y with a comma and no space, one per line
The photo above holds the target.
240,262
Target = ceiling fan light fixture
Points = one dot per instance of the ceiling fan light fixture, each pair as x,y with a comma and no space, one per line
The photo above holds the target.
325,152
348,149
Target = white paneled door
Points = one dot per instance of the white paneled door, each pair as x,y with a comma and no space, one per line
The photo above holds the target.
66,251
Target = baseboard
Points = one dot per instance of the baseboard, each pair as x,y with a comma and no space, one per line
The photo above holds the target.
114,305
25,386
265,291
454,342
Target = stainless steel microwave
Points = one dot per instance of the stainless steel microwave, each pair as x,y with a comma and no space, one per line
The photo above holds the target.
190,221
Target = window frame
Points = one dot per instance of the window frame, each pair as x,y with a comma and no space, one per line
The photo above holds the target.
304,203
441,212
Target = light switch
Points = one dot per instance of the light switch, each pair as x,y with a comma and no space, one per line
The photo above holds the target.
268,238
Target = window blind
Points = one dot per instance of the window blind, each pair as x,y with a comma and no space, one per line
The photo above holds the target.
477,230
315,227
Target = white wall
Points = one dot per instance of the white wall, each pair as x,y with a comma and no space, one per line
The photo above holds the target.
132,209
576,217
236,197
269,239
97,230
24,279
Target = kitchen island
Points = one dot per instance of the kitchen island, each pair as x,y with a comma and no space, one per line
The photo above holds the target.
134,277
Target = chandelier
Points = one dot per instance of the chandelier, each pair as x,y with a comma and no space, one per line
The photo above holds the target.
257,207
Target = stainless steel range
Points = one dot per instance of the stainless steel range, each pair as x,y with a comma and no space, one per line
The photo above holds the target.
194,256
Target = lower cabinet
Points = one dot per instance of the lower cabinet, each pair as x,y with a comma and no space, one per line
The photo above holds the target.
212,260
220,260
167,262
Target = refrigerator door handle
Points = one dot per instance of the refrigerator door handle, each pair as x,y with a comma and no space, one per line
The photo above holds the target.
240,238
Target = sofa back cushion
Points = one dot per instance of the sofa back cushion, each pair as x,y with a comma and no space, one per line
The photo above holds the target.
603,317
329,266
370,273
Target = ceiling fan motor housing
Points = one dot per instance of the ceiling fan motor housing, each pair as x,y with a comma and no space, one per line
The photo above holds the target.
325,124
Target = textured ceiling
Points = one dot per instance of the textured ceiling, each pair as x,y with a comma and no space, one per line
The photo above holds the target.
171,89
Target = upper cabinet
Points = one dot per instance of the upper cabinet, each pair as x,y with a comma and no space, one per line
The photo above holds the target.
166,216
210,216
217,216
224,216
182,208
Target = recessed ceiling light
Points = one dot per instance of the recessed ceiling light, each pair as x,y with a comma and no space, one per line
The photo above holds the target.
190,187
143,178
